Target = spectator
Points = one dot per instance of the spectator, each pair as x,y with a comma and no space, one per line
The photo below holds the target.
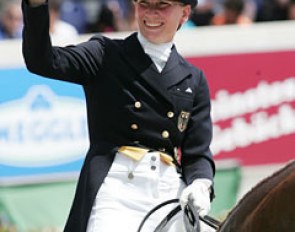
59,29
74,13
273,10
291,10
203,13
231,14
105,21
124,21
250,9
130,22
10,20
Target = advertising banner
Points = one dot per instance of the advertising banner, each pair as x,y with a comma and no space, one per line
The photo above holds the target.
43,128
253,105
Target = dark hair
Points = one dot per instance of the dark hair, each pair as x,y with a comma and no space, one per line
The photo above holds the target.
193,3
235,5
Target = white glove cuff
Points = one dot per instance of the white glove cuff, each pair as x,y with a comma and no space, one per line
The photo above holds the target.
203,181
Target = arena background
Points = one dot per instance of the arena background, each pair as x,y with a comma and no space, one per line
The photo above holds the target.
251,74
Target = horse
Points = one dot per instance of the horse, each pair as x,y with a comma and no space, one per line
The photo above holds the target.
268,207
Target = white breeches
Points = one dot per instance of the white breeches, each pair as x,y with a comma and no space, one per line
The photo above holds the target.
124,199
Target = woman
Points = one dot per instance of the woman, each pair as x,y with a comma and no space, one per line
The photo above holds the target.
144,103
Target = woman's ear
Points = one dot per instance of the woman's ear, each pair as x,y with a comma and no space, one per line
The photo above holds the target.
186,14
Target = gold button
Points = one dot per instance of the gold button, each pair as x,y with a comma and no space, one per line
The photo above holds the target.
134,126
137,105
165,134
170,114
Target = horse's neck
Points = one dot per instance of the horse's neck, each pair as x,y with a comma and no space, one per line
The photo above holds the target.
250,201
276,211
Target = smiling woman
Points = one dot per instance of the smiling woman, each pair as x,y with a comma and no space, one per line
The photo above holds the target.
158,21
143,96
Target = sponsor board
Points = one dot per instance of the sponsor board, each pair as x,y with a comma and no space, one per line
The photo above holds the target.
42,130
253,108
253,105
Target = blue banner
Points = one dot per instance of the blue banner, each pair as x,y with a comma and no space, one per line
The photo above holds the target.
43,126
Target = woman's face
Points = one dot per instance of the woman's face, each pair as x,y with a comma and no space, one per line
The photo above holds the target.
158,20
12,19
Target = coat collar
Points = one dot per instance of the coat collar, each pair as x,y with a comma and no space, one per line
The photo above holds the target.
174,71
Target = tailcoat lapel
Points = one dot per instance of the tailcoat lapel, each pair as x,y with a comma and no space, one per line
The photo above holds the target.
173,73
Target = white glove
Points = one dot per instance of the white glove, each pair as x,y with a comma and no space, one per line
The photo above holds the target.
199,192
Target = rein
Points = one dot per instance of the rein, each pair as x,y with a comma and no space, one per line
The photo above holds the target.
191,218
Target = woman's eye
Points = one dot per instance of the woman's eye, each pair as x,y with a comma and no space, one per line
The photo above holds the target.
164,4
143,4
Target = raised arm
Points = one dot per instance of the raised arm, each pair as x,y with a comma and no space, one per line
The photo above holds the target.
72,63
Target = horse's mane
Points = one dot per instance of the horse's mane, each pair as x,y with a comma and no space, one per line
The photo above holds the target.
254,197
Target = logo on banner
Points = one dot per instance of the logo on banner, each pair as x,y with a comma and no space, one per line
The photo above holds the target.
42,129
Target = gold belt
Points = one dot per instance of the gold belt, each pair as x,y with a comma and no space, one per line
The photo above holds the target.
136,153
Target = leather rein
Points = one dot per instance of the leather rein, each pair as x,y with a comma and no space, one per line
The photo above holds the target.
191,218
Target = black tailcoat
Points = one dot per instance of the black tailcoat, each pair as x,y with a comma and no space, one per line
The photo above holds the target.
116,75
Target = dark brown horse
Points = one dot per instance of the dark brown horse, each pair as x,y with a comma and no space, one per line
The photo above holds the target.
268,207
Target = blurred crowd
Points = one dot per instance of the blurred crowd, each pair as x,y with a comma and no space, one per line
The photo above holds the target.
69,18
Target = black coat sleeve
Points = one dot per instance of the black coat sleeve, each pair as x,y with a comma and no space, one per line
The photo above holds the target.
196,158
72,63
